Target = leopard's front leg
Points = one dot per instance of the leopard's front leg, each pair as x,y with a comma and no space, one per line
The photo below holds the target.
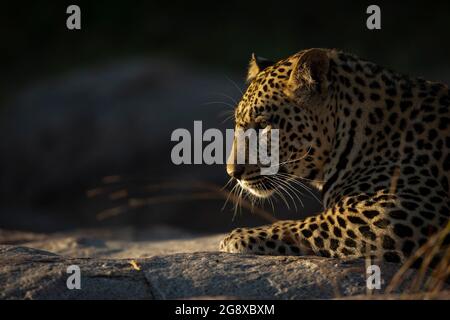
280,238
330,234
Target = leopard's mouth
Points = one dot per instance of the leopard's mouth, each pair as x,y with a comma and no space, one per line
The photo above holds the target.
259,187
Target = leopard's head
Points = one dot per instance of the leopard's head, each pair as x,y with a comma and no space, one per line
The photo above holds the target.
291,96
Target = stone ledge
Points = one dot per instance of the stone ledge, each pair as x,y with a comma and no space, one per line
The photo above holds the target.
160,273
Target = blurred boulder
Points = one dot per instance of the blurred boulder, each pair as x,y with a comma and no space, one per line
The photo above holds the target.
60,137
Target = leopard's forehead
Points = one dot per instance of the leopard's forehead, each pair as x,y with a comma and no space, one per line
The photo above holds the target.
265,93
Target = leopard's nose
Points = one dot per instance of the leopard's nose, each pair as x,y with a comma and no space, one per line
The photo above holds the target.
236,170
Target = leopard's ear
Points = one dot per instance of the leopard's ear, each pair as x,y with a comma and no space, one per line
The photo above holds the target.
309,74
256,65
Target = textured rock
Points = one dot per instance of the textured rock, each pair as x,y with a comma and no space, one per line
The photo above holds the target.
34,274
170,269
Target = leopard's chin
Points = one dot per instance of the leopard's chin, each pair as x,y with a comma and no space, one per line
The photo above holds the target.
258,189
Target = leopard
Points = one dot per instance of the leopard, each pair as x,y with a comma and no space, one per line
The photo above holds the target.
374,143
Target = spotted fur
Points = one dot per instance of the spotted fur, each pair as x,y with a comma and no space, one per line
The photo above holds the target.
376,143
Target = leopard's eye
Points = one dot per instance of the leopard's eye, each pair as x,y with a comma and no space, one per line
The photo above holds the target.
261,124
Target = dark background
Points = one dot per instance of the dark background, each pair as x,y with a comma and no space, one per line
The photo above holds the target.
78,106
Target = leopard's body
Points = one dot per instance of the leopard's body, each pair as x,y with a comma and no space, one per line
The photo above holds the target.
376,143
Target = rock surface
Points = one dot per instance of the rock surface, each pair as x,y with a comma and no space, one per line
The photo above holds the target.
170,269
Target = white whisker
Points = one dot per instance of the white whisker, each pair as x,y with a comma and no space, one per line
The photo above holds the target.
278,192
300,184
237,87
233,100
295,191
218,102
